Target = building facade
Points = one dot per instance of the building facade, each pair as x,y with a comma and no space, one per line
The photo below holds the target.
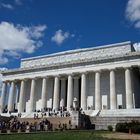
99,78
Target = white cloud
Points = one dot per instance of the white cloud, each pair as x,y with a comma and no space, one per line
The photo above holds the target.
7,6
60,36
133,12
11,6
15,39
137,46
36,31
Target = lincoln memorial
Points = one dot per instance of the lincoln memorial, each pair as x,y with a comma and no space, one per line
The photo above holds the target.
104,78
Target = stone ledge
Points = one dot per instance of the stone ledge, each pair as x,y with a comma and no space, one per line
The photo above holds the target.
134,55
120,113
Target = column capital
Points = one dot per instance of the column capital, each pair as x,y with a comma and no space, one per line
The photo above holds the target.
58,76
85,72
113,69
34,78
129,67
70,74
63,75
76,77
5,82
44,77
12,81
97,71
75,73
25,79
63,78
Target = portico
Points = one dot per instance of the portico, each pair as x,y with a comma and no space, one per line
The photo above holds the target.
98,81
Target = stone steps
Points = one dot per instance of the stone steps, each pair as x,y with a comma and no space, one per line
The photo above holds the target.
103,122
55,121
91,112
120,113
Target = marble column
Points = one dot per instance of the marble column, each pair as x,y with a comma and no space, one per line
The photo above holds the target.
32,95
56,93
70,93
83,92
11,97
17,94
76,89
128,89
63,92
97,91
3,96
44,92
22,97
113,98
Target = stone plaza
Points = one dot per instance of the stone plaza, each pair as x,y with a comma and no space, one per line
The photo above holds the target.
102,80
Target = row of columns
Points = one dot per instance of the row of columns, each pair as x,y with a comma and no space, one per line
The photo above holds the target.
83,102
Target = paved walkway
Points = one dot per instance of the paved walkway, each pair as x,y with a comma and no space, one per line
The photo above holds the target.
122,136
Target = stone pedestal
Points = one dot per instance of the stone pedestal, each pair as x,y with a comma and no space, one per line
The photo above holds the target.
75,119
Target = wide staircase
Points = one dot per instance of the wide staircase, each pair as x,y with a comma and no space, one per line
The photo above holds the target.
112,117
102,123
120,112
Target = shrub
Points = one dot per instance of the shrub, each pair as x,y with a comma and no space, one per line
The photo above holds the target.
136,129
124,127
110,128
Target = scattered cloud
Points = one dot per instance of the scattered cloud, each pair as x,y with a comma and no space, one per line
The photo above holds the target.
18,2
7,6
137,46
60,36
133,12
36,31
12,5
72,35
16,39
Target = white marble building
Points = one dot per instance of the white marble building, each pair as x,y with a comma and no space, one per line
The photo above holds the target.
99,78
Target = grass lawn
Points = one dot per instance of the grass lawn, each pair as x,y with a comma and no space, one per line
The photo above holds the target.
91,135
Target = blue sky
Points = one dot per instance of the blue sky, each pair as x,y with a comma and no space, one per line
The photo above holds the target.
39,27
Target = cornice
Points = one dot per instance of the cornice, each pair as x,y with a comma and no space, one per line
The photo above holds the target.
131,56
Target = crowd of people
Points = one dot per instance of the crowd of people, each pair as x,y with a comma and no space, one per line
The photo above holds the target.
40,122
50,114
44,124
47,112
15,125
